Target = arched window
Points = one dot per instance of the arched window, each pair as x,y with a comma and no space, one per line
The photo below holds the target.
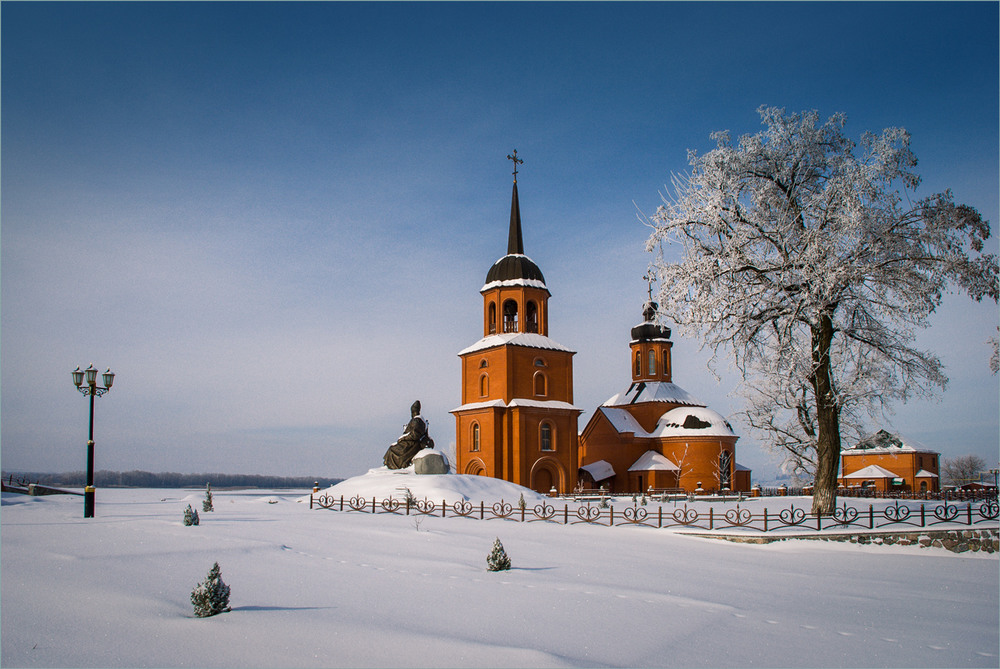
531,317
484,385
493,318
510,316
539,362
545,437
666,363
540,384
652,363
475,436
638,363
483,364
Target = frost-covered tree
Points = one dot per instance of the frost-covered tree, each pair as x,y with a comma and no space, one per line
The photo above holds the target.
191,516
206,504
497,560
962,469
807,261
994,343
211,596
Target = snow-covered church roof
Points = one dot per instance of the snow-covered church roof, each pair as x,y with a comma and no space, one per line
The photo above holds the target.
679,422
653,391
689,421
529,339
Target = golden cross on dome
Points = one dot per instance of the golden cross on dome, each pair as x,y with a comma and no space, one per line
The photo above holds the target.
517,161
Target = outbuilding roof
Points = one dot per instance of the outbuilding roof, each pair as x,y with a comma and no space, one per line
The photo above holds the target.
600,470
653,461
872,472
887,442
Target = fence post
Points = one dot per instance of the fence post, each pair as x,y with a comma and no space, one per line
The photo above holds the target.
921,515
566,513
871,517
765,519
522,514
611,524
443,506
373,503
341,502
407,505
968,506
480,510
711,518
819,522
310,501
659,517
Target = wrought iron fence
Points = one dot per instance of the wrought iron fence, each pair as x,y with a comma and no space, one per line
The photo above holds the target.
738,517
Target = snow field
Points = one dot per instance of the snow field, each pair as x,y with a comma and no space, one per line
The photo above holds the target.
325,588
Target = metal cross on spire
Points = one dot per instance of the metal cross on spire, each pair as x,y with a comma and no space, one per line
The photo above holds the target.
517,161
650,277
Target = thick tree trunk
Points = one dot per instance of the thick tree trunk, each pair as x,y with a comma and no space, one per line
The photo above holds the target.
827,419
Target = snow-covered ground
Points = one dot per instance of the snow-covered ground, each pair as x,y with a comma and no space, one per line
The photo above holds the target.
324,588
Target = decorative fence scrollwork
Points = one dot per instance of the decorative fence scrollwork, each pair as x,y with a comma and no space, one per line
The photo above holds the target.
735,517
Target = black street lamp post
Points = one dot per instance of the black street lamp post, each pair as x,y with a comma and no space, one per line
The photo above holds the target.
93,390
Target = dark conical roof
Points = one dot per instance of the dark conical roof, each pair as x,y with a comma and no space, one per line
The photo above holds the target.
515,267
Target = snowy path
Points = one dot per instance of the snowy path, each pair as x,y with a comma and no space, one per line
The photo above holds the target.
322,588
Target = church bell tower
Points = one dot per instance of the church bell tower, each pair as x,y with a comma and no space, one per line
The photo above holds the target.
517,421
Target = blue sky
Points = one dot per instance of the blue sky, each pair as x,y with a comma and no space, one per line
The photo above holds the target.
273,220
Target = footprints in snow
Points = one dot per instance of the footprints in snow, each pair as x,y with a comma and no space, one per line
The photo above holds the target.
617,595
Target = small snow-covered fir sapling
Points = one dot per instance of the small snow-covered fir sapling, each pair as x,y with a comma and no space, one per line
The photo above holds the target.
411,499
211,596
521,504
190,516
497,560
206,505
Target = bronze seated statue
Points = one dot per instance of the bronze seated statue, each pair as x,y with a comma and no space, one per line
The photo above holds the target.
413,440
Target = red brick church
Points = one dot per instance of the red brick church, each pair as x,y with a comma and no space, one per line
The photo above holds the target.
517,420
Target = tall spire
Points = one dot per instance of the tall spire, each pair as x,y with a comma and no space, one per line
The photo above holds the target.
515,245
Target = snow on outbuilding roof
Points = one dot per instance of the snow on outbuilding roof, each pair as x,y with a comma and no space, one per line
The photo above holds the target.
653,391
653,461
688,421
599,470
923,473
528,339
872,472
887,442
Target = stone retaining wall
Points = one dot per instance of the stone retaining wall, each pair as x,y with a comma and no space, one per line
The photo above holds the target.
986,540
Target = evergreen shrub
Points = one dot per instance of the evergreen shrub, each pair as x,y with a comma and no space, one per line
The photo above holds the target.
497,560
211,596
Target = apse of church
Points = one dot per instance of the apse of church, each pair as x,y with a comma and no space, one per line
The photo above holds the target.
517,421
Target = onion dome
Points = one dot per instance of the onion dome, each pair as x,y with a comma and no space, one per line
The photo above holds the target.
648,330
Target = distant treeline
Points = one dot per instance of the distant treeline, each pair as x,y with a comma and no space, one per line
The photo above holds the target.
141,479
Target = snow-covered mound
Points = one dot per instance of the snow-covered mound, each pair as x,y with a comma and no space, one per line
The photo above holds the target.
383,482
